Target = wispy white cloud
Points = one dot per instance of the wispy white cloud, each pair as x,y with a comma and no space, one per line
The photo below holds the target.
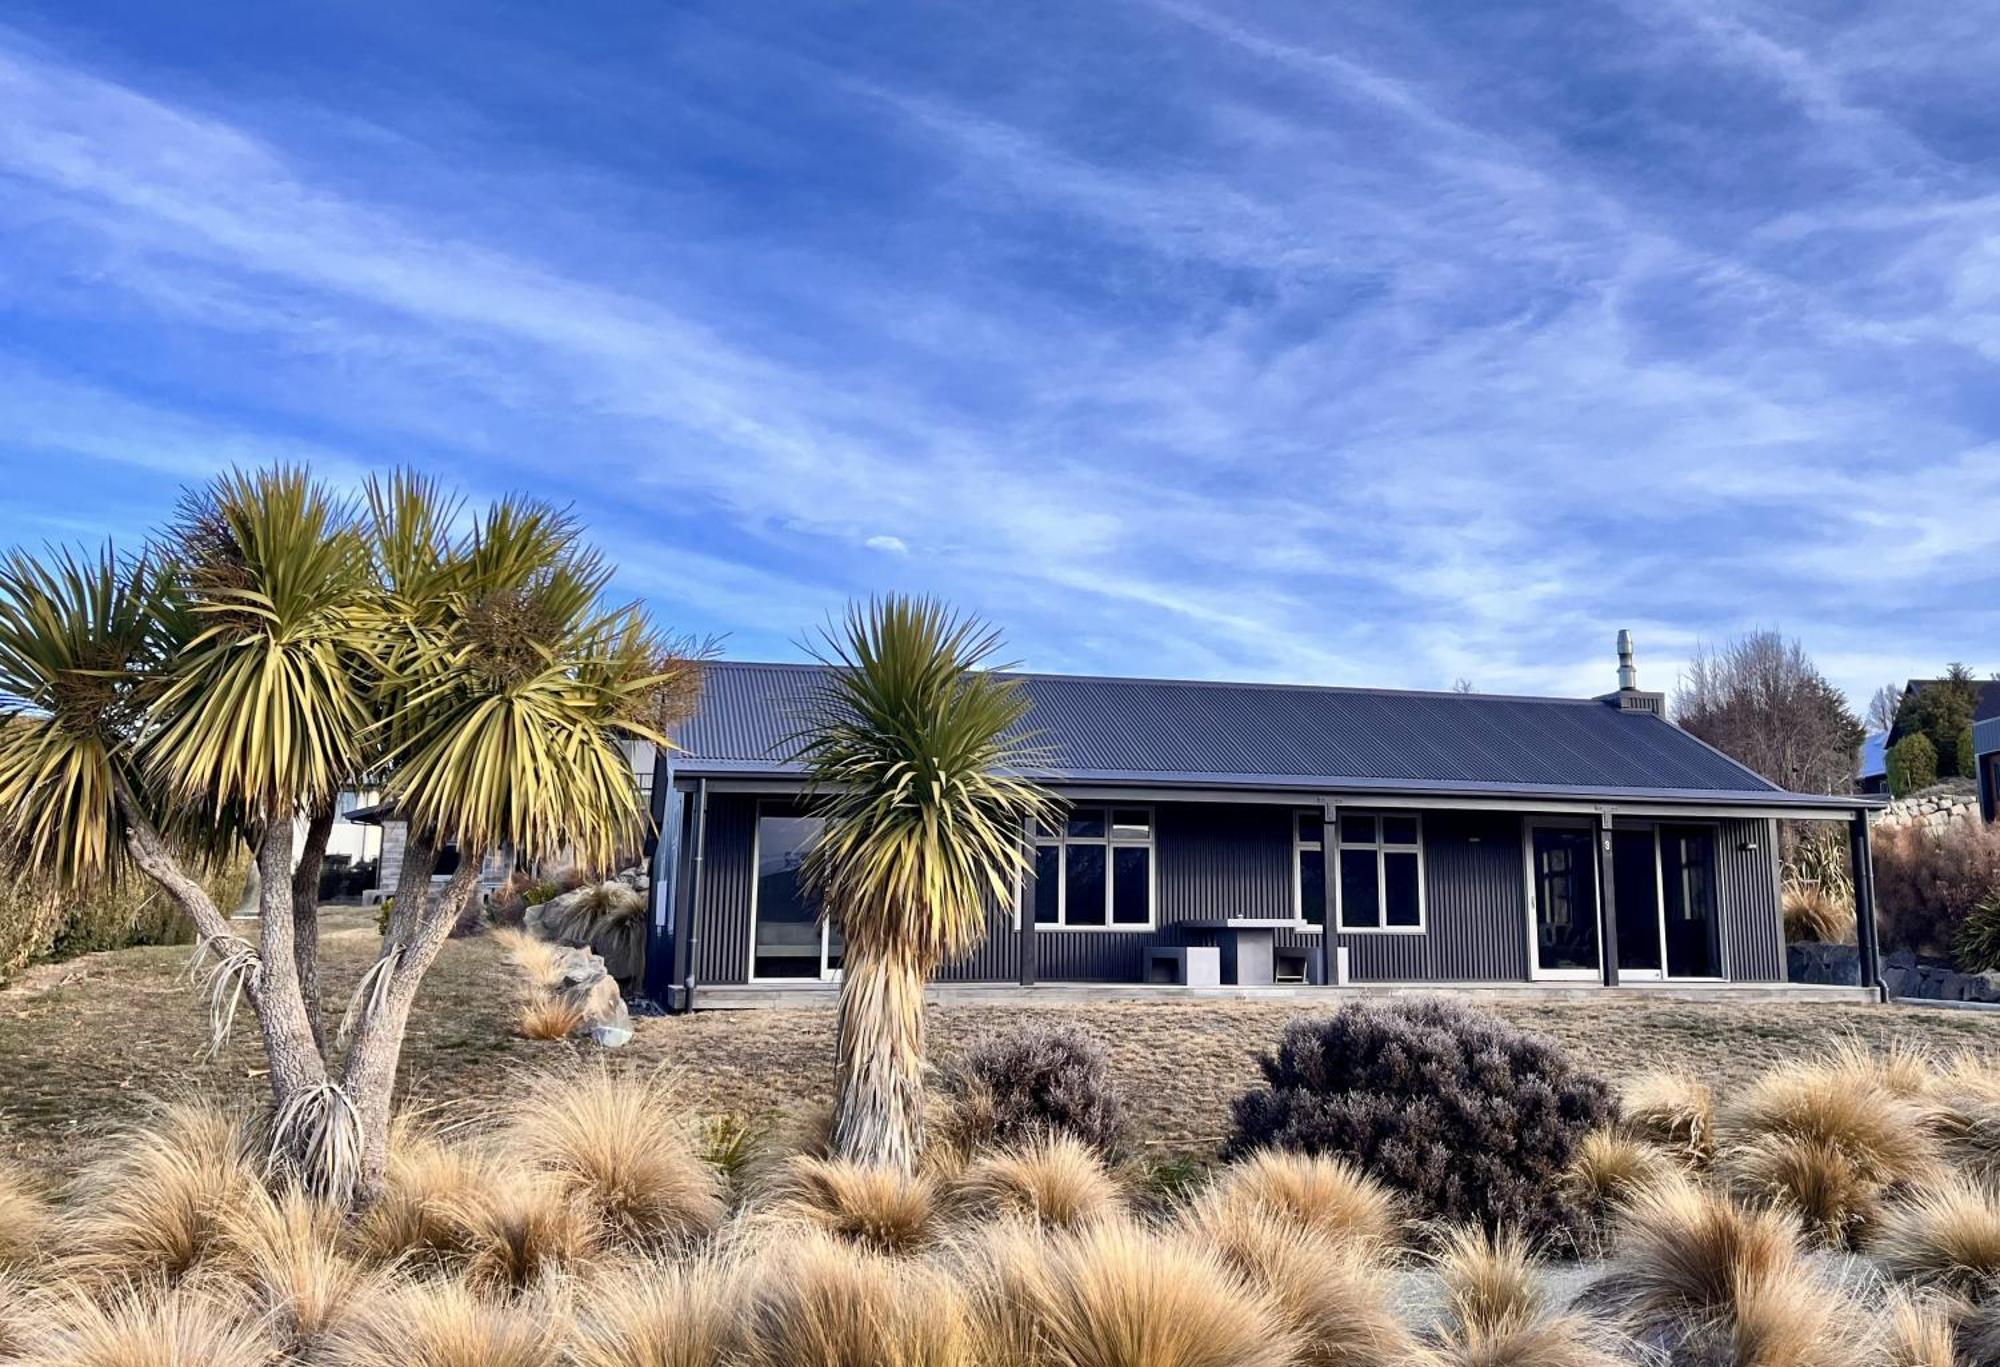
1318,357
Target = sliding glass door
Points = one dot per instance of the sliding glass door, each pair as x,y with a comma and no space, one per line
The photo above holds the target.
1668,924
1563,886
1687,884
788,938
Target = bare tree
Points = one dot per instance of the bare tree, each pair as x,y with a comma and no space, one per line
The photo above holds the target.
1462,685
1761,700
1882,708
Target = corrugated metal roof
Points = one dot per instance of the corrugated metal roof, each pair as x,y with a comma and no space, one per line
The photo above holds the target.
1144,731
1986,736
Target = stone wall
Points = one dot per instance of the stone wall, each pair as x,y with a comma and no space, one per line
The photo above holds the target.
1934,808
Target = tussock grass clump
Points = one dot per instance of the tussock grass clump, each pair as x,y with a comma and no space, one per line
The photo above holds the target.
878,1208
1674,1111
608,918
282,1253
1118,1295
1330,1296
148,1327
1946,1236
523,1233
618,1143
26,1219
428,1189
537,961
1608,1168
1918,1333
1059,1182
156,1202
660,1314
1497,1312
820,1300
549,1018
444,1324
1814,912
1328,1196
1719,1282
1829,1139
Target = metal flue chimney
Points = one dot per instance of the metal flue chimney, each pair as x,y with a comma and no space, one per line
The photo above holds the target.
1628,671
1629,698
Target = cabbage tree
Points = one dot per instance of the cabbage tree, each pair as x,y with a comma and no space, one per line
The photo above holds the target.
914,754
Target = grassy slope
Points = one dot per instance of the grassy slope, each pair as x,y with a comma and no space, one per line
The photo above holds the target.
81,1042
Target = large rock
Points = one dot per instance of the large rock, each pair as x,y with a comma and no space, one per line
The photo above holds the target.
583,981
608,917
1809,961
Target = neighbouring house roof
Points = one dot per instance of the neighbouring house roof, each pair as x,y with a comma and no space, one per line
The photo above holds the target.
1163,732
1986,709
1874,755
1986,736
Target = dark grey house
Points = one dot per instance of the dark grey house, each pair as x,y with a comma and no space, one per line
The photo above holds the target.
1986,747
1216,831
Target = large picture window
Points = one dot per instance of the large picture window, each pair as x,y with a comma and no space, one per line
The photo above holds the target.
1094,871
1379,871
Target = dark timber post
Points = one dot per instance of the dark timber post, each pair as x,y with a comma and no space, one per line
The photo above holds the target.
1607,900
1329,945
663,874
1861,853
1026,910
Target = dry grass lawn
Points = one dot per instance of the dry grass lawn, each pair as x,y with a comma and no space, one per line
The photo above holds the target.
82,1042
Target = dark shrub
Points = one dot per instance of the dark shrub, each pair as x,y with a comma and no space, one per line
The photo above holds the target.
1043,1080
1473,1119
1912,765
1927,883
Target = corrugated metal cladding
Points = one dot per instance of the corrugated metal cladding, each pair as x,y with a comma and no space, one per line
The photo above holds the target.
748,712
1753,923
1235,859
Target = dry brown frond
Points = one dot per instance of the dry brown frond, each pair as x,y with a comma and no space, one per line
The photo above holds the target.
149,1327
1332,1298
1326,1195
154,1205
1946,1236
550,1018
1675,1111
660,1314
443,1324
1497,1312
523,1231
877,1207
283,1254
622,1144
816,1299
1057,1181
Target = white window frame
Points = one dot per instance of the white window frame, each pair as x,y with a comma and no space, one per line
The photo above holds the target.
1061,839
826,974
1336,908
1306,926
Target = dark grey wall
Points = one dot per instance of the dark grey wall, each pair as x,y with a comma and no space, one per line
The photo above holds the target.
1753,927
1235,859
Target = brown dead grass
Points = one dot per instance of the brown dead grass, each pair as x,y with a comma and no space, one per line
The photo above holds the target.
80,1048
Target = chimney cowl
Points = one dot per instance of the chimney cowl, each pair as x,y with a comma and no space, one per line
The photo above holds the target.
1629,697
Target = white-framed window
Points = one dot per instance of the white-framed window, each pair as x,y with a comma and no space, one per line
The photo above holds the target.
1309,870
1094,870
1378,871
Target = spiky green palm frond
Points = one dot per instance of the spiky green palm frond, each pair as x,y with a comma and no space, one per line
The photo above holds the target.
914,755
76,635
517,699
264,706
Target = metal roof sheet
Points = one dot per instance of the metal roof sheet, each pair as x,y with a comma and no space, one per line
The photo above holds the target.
1140,731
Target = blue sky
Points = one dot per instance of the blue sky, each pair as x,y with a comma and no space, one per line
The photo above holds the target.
1357,344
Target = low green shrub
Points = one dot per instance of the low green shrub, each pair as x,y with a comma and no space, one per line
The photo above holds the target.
1912,765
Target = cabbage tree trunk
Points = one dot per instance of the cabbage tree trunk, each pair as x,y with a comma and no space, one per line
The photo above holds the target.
878,1116
419,925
